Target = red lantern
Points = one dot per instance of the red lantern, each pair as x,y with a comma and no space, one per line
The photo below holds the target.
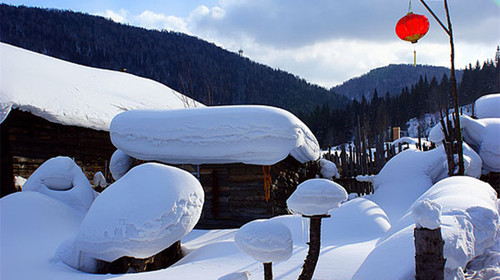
412,27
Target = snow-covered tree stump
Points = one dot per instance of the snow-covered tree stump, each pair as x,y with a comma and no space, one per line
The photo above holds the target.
266,241
429,260
313,199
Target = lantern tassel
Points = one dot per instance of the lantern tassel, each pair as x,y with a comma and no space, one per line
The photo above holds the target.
414,55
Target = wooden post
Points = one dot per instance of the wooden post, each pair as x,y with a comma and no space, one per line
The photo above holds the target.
268,271
314,247
429,261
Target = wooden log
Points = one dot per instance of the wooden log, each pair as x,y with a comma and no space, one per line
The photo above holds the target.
268,271
429,261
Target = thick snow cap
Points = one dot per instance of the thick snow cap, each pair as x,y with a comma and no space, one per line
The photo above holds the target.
265,241
488,106
224,134
482,135
72,94
141,214
61,178
316,197
427,214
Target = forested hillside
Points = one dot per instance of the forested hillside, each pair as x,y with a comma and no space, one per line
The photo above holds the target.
376,115
194,67
392,79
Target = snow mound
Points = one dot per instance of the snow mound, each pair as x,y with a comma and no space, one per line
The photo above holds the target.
61,178
411,173
72,94
236,276
265,240
328,169
427,214
226,134
120,164
470,225
316,197
488,106
482,135
141,214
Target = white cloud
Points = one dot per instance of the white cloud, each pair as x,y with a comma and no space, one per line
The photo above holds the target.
151,20
120,16
328,42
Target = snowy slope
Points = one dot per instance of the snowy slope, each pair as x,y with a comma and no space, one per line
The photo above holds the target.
72,94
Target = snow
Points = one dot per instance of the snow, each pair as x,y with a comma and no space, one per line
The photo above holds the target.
316,197
250,134
427,214
470,224
141,214
358,241
62,179
482,135
488,106
328,169
266,241
412,172
120,164
72,94
236,276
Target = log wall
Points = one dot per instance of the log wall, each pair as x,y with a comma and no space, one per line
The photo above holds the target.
27,141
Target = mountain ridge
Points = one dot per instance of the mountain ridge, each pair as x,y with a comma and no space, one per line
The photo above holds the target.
392,78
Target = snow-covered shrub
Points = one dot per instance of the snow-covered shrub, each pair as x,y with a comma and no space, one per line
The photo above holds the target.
316,197
141,214
266,241
328,169
61,178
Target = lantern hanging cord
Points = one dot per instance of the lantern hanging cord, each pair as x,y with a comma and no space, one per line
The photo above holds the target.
410,10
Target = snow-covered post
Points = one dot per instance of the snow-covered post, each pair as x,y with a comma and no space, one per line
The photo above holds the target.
429,261
313,199
266,241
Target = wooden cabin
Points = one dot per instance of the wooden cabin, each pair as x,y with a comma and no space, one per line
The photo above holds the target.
27,141
238,193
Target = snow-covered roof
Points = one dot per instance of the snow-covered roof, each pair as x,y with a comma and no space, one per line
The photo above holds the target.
253,134
71,94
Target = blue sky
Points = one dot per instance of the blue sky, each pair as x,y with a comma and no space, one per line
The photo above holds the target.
323,41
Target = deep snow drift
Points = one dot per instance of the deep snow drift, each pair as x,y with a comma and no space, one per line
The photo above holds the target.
260,135
71,94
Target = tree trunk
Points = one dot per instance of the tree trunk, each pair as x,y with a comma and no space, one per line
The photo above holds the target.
268,271
314,247
429,261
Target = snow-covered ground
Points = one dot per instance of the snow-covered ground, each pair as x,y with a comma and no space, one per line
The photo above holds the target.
71,94
359,241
